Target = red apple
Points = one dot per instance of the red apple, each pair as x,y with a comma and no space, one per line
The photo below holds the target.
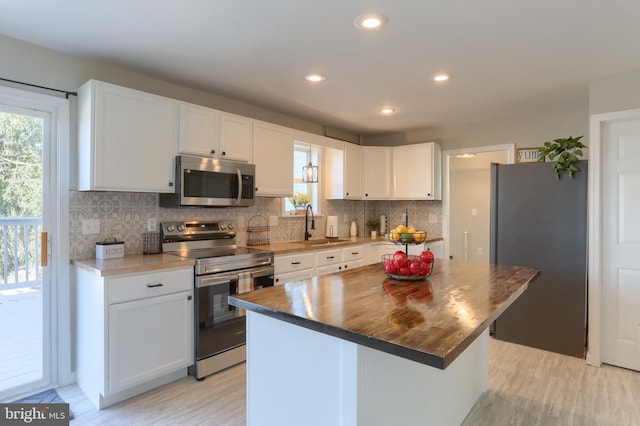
390,268
426,256
399,255
404,271
416,266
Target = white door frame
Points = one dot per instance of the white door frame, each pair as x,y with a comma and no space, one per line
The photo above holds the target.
446,178
57,180
595,269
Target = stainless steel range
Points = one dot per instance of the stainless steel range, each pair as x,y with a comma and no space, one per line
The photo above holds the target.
222,269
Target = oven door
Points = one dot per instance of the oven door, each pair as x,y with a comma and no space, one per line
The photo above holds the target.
261,277
219,325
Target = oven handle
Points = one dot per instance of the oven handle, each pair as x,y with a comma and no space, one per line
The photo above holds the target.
209,280
239,186
262,272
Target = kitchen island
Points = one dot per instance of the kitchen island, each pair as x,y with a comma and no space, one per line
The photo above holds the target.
357,348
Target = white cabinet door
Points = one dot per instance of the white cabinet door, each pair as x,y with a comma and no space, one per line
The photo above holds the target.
305,274
377,167
352,172
273,157
126,139
294,262
198,130
417,172
148,338
236,138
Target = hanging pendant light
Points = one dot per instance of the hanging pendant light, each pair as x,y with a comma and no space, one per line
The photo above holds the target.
310,172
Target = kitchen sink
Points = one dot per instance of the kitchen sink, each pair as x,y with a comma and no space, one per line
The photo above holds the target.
322,242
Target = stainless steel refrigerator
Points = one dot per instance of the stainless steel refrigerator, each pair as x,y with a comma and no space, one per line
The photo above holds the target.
541,222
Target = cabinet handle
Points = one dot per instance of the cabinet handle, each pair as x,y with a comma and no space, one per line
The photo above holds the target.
355,252
330,257
224,153
296,263
213,151
170,184
189,297
154,285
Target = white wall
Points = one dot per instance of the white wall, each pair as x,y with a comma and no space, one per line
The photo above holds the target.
617,92
470,189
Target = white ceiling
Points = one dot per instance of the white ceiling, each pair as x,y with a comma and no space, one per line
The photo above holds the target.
505,56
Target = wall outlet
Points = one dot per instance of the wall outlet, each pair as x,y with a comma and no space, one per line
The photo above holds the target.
273,221
345,217
404,218
240,222
90,226
151,224
433,218
474,212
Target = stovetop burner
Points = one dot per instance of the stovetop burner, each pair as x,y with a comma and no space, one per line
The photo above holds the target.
212,245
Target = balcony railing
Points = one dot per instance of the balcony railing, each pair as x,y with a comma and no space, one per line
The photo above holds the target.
19,251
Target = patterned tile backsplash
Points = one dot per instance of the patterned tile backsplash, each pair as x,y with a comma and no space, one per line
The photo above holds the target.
124,216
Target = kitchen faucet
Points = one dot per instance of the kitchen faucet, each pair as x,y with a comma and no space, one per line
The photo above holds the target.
307,234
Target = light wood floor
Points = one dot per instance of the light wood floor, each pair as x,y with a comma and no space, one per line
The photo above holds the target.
526,387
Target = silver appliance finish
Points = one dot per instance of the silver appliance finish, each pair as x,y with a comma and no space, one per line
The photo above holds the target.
213,247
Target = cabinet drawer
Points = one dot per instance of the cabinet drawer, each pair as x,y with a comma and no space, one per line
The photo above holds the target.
150,284
352,253
296,262
294,276
328,257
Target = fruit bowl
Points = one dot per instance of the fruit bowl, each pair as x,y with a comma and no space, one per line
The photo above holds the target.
407,268
406,237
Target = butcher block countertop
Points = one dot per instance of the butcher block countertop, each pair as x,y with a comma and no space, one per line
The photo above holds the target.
288,247
430,321
132,264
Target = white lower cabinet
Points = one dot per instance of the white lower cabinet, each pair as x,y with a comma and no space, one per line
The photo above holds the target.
134,332
293,267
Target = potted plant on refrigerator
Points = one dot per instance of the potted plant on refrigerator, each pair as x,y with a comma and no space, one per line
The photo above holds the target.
563,153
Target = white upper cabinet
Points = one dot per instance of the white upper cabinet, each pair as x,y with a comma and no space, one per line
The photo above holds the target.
417,172
198,130
342,174
273,158
236,138
216,134
352,172
126,139
377,174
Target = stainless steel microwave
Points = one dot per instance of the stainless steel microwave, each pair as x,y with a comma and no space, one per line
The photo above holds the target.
209,182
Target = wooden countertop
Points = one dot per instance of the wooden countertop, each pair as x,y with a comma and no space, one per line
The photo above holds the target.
431,321
132,264
288,247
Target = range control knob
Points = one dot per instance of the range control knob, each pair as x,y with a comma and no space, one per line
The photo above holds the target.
230,226
180,228
223,226
171,228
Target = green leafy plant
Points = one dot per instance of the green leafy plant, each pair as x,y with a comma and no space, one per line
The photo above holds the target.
563,153
373,224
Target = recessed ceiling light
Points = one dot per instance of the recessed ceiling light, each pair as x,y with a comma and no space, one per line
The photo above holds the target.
315,77
370,21
441,77
387,110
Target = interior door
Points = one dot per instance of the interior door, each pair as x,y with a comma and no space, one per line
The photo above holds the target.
25,290
621,244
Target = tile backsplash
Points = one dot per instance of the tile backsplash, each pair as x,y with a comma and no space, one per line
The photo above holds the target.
124,216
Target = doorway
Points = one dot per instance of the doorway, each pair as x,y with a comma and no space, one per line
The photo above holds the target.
32,129
466,196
